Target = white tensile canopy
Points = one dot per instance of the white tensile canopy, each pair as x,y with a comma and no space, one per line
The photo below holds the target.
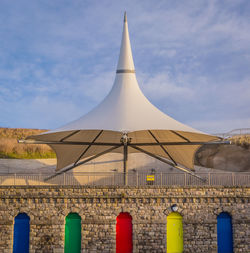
124,122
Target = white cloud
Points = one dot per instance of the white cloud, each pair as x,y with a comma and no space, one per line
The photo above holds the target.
161,86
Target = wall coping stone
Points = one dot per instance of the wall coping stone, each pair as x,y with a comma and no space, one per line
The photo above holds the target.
118,187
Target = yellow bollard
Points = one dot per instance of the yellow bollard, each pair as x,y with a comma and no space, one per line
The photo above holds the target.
174,233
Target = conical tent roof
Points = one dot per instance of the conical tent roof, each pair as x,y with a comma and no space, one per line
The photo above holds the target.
125,122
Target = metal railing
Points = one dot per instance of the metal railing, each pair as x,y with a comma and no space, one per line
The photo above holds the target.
235,132
133,179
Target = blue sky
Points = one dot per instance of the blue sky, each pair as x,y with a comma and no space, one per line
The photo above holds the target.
58,59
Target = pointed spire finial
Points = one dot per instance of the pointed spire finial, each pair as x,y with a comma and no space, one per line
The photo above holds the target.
125,17
125,63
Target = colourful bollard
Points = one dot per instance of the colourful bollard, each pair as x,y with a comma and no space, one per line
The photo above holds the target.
174,233
124,233
72,234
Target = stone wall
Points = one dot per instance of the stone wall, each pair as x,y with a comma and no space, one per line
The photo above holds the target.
149,207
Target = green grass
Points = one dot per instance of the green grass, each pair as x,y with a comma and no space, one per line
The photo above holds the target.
34,155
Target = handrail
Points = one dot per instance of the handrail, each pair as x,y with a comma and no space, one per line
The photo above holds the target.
234,132
134,179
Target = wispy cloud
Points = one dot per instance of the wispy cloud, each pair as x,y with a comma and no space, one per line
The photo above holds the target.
161,86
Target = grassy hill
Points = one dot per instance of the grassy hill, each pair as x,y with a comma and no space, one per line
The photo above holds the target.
10,148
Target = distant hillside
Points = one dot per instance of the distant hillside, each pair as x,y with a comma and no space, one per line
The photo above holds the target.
10,148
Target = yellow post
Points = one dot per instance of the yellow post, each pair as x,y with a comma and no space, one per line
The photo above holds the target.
174,233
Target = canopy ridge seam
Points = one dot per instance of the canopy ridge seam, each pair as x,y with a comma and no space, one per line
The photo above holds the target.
168,162
83,162
71,134
184,138
163,148
88,147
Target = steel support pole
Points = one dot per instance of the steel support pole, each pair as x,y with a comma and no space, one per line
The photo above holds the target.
125,158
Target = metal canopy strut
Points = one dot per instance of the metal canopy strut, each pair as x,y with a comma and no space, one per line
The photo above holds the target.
129,144
83,162
168,162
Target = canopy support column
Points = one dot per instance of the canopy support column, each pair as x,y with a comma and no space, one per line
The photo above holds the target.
125,158
125,141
